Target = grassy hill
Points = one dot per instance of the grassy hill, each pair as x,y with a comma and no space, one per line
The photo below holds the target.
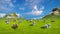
25,28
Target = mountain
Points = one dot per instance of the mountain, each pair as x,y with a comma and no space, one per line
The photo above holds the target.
56,11
53,17
12,15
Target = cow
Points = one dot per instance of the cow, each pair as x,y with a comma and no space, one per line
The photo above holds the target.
15,26
7,21
46,26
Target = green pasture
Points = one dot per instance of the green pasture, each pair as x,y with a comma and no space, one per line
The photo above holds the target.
25,28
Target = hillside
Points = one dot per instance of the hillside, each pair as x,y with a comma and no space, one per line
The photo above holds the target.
51,17
25,28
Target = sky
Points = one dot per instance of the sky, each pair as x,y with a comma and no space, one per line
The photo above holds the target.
29,9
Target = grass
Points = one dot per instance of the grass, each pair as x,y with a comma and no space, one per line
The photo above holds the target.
24,28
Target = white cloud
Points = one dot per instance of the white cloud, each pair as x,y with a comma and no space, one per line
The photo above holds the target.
37,18
29,0
21,8
2,15
35,11
50,12
35,7
31,3
6,2
6,5
11,5
19,15
14,1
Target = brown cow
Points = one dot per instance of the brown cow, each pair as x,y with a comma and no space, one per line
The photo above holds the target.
15,26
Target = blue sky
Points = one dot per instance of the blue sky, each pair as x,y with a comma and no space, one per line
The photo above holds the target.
30,9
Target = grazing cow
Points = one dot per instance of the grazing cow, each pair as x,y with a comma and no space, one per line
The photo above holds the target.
46,26
15,26
32,24
30,21
52,21
43,27
7,21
